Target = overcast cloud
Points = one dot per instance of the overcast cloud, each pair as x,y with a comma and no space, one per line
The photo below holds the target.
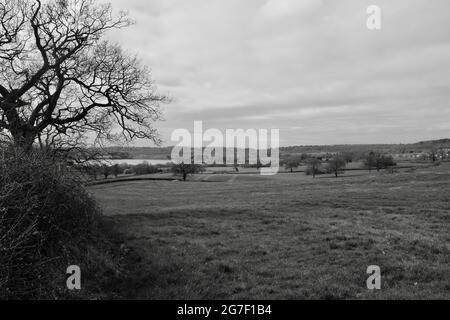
308,67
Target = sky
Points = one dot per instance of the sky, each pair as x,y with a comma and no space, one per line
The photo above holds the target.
310,68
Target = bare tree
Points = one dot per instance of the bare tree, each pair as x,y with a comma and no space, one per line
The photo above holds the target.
106,171
379,161
185,169
116,170
313,166
370,161
59,78
336,165
292,164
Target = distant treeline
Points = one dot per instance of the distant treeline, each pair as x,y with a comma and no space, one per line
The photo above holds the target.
164,153
105,171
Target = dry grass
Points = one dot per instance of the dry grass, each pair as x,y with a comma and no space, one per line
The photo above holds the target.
286,237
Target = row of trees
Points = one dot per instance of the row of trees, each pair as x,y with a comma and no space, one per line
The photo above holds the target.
314,166
338,162
105,171
378,161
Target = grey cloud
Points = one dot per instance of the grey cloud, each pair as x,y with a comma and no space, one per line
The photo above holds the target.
310,65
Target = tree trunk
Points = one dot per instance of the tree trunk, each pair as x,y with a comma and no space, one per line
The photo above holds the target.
22,133
184,176
23,139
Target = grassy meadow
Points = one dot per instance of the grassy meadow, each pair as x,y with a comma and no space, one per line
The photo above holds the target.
289,236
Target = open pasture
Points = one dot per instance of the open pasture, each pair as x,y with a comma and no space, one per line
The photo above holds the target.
287,236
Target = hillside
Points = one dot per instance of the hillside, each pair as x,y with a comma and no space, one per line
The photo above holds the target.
155,153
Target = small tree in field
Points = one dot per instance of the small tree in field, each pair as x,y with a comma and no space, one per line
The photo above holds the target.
379,161
185,169
105,171
370,161
313,166
291,165
116,170
388,163
336,165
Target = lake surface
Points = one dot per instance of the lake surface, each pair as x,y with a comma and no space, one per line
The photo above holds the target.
134,162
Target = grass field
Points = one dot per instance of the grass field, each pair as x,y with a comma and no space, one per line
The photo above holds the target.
286,236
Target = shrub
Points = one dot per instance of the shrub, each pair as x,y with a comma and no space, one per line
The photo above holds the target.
46,219
145,168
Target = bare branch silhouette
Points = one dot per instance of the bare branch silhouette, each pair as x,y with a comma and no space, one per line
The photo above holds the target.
59,77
